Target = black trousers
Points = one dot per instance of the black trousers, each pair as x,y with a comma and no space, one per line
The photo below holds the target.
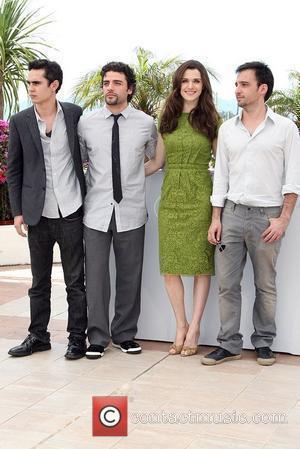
129,249
68,233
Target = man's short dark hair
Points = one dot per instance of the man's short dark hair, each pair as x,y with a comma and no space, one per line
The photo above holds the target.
120,67
263,74
52,70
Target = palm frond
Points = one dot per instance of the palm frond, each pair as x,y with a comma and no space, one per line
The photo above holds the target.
154,79
154,83
287,103
19,45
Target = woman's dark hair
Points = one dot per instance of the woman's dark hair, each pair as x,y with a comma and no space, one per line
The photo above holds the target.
52,70
120,67
263,75
204,117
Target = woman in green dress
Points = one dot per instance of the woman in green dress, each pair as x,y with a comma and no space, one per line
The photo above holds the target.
187,137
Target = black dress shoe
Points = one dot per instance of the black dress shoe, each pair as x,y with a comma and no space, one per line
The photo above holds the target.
30,345
219,355
76,349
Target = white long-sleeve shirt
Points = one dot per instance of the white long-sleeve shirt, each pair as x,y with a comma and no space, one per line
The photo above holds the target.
257,170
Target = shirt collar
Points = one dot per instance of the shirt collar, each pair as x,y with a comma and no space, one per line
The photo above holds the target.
270,114
125,113
58,110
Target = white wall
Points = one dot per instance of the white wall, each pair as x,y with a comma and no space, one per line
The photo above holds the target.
157,321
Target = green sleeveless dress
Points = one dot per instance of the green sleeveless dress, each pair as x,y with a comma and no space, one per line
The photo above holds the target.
185,211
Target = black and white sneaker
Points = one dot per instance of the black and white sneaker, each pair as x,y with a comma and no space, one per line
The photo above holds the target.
129,346
94,352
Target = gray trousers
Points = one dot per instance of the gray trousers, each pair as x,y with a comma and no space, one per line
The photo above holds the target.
129,249
242,227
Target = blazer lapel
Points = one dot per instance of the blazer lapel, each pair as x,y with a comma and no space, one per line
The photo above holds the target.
34,129
69,126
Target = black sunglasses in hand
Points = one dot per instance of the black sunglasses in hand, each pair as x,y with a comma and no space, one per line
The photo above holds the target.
221,246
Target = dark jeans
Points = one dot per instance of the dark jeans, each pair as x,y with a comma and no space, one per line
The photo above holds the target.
68,233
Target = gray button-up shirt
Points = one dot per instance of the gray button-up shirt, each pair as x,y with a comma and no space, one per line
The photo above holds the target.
62,185
138,137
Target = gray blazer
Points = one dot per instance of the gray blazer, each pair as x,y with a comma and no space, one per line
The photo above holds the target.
26,174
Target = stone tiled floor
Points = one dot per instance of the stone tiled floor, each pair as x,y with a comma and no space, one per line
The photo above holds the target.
45,400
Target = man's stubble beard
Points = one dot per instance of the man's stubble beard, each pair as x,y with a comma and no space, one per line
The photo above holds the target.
111,101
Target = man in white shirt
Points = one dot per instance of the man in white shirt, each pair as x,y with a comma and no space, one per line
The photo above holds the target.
115,139
256,184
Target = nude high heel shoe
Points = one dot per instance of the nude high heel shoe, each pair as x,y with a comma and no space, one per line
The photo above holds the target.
190,350
177,349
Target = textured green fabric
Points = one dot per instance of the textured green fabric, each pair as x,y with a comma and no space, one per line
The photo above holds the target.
185,210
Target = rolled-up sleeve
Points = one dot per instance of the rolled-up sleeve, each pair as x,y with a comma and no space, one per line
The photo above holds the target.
292,161
221,172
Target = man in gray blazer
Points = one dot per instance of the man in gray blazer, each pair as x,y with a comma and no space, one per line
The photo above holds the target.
46,189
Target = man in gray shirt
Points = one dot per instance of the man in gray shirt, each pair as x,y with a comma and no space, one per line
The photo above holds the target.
46,189
115,140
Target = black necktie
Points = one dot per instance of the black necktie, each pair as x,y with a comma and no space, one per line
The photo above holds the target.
115,158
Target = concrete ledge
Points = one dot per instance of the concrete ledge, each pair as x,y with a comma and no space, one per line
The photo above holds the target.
14,248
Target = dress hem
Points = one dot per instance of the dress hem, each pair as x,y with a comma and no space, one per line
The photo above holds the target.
188,274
